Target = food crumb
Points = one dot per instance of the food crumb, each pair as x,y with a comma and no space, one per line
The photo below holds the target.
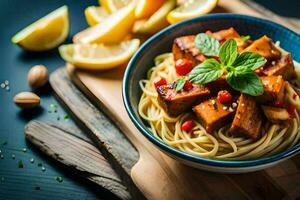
59,179
20,164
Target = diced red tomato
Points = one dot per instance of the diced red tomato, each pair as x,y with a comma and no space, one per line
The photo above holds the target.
183,66
278,104
188,125
224,96
160,82
188,85
291,110
260,71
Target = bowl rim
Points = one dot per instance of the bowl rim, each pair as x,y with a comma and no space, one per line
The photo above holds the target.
185,156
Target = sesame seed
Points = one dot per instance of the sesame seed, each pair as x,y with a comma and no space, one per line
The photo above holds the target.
7,88
234,104
24,150
43,169
243,104
225,108
13,156
1,156
32,160
230,109
6,82
273,62
213,101
2,85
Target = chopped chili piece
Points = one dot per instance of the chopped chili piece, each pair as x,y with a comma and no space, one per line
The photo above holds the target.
183,66
160,82
260,71
224,96
188,86
188,125
278,104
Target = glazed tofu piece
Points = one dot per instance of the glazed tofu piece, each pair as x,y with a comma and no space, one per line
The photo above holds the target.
225,34
184,47
213,115
274,87
176,102
276,115
265,47
283,66
248,119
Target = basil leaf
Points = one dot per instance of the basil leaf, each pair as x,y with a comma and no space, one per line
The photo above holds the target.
228,52
208,45
180,83
250,60
246,82
206,72
245,38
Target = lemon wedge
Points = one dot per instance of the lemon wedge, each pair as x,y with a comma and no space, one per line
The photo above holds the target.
145,8
46,33
99,56
95,14
191,9
157,21
111,30
113,5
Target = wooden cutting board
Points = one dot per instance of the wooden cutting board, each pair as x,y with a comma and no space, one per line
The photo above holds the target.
159,177
275,183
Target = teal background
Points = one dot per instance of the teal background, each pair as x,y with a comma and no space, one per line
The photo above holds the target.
16,183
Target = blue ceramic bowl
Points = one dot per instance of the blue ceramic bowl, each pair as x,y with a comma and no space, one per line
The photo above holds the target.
162,42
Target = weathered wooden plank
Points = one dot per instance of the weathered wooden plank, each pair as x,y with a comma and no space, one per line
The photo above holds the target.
76,153
115,147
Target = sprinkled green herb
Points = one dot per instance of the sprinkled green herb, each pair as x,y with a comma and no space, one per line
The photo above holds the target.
245,38
40,164
66,117
20,164
59,179
53,108
37,188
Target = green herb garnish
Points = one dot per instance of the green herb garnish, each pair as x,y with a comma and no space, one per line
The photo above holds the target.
180,83
239,69
245,38
20,164
207,44
66,117
59,179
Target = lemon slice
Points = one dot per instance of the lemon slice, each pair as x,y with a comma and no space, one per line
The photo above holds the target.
191,9
46,33
157,21
94,15
114,5
99,56
145,8
111,30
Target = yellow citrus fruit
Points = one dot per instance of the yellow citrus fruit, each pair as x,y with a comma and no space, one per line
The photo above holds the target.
113,5
46,33
145,8
95,14
191,9
111,30
99,56
157,21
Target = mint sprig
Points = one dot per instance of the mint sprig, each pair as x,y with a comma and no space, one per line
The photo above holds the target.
207,44
239,69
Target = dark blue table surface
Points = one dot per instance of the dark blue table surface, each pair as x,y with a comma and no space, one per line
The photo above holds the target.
31,182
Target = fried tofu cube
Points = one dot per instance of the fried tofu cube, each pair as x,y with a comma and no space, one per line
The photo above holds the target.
213,115
184,47
274,87
265,47
276,115
283,66
176,102
225,34
248,119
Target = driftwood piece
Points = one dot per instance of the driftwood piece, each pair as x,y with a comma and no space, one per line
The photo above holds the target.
115,147
69,146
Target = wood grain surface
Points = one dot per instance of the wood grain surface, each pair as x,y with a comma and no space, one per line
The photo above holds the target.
69,145
279,182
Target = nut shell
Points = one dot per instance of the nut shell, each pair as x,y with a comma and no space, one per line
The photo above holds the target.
37,76
27,100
